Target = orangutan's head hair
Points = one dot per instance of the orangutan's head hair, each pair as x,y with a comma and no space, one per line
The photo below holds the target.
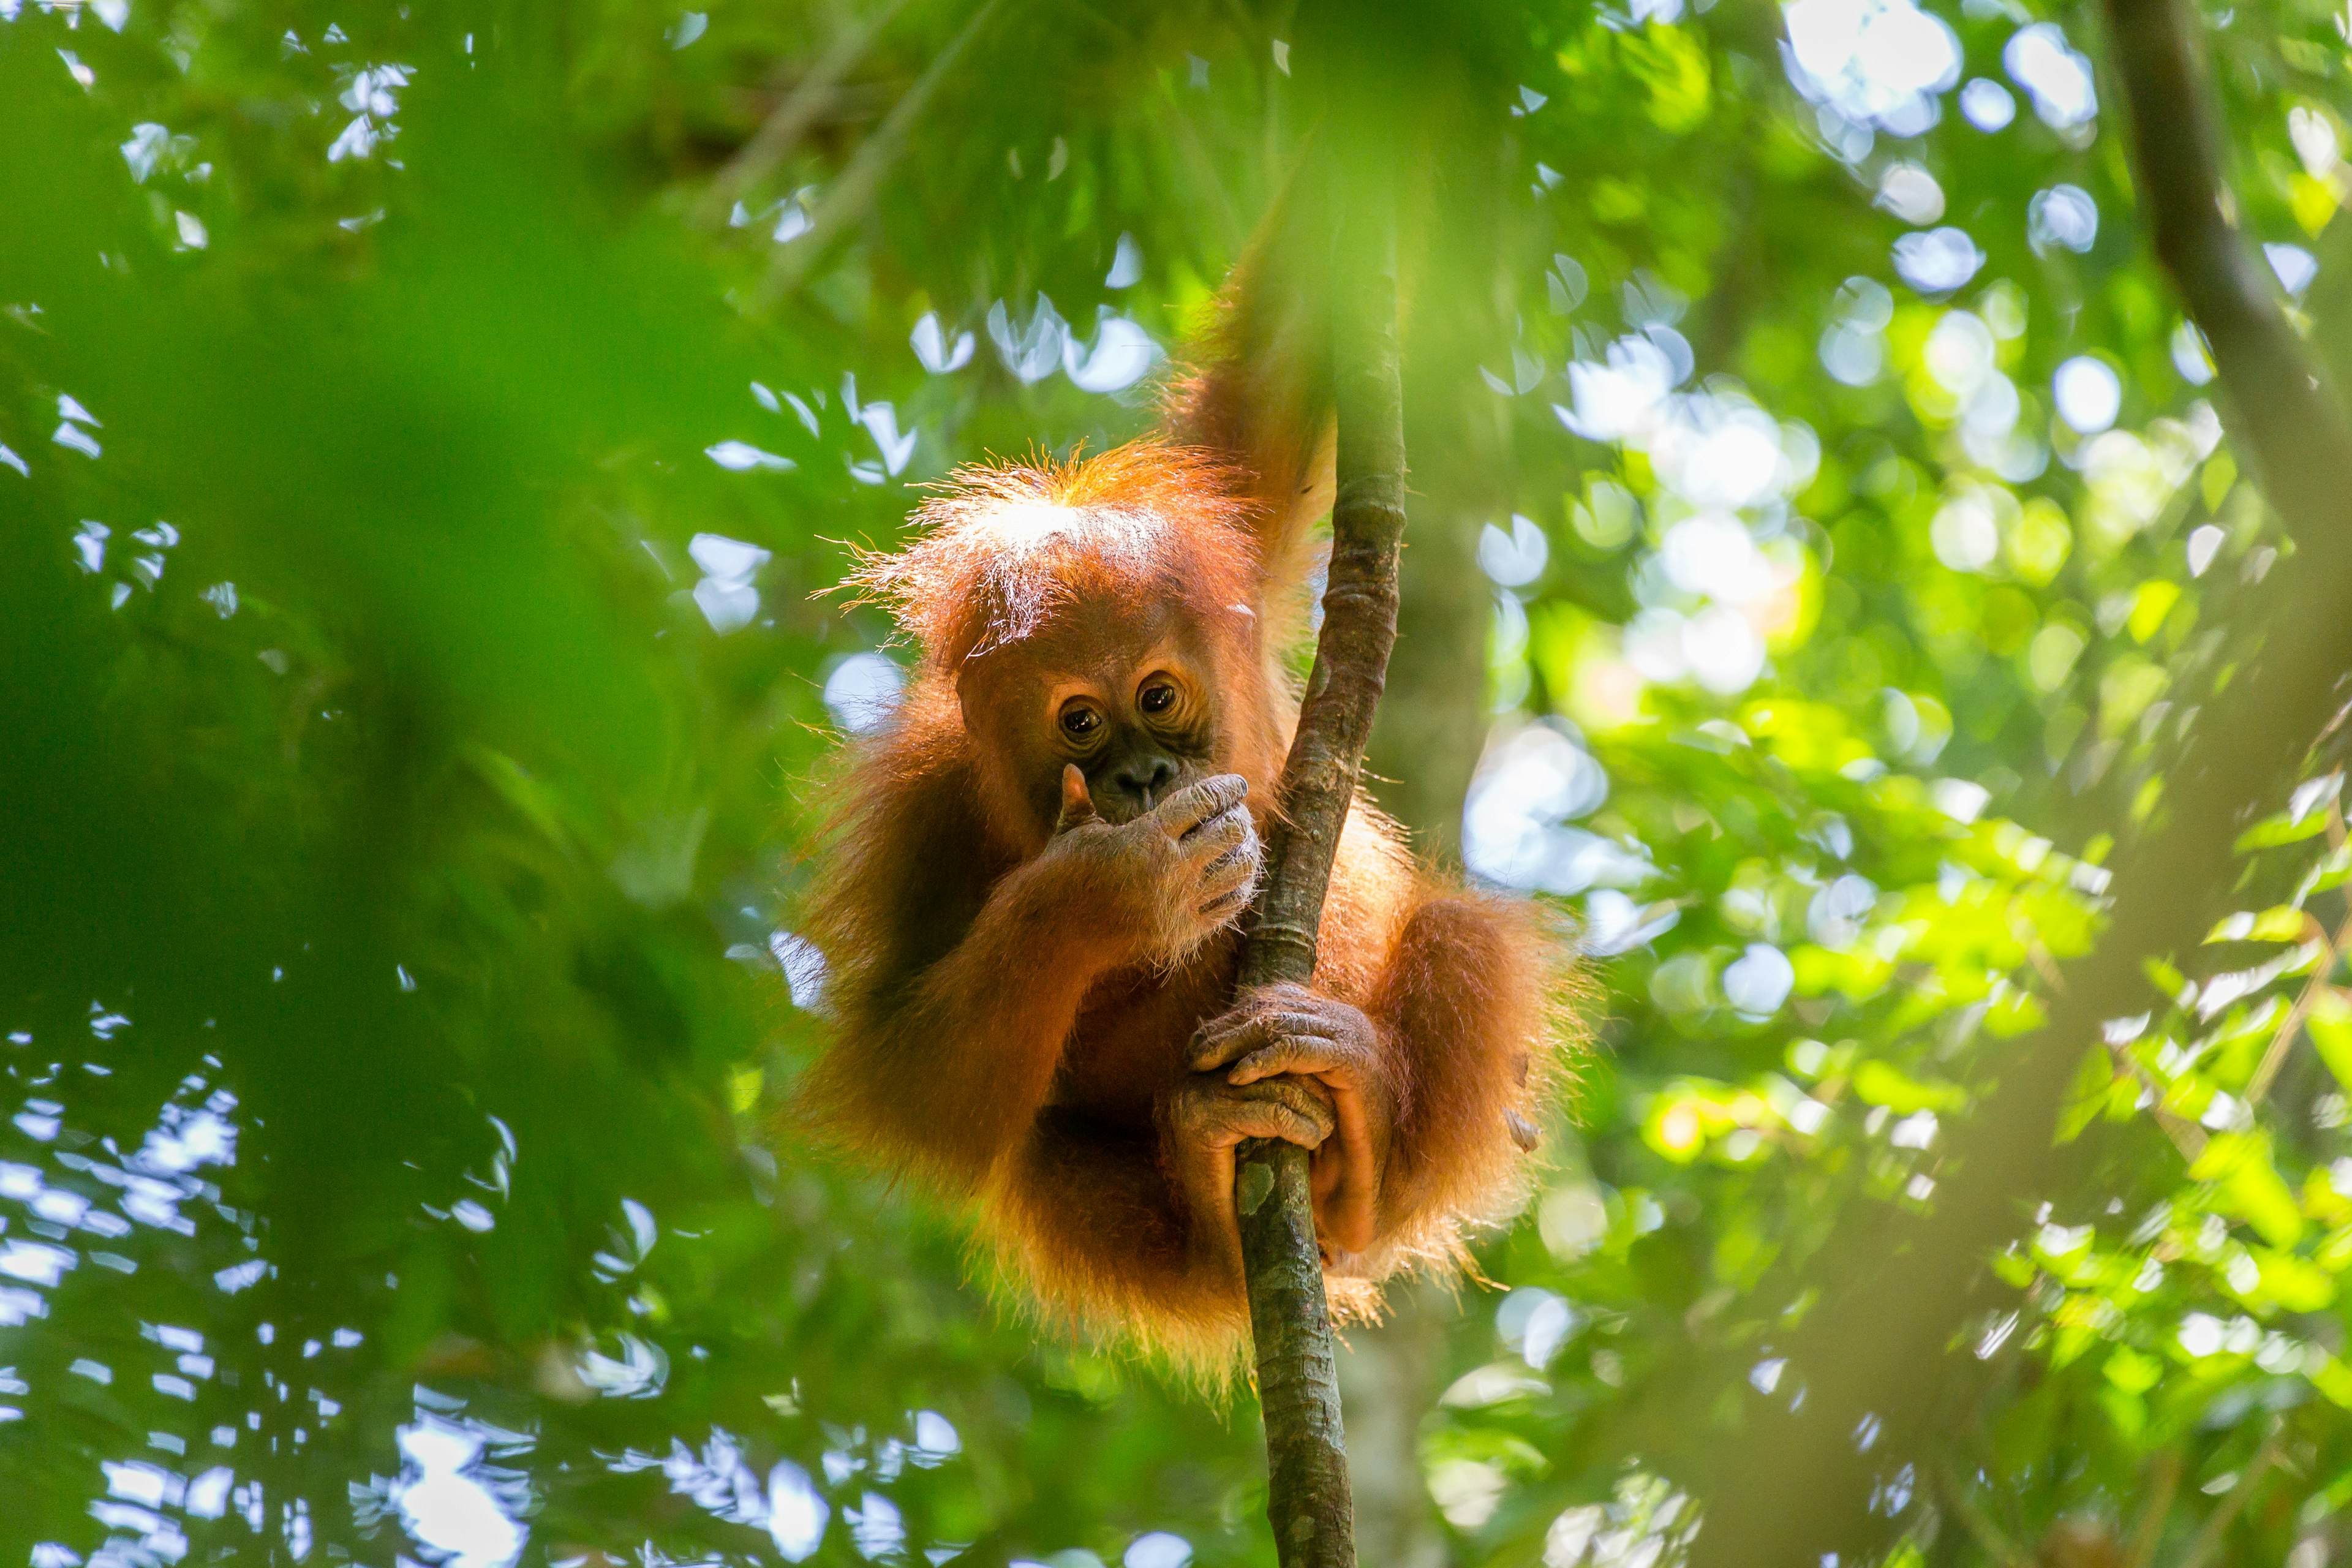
1001,545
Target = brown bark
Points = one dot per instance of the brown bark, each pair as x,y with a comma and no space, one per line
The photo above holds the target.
1897,1291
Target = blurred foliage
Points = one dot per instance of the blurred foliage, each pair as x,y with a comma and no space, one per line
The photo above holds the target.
423,430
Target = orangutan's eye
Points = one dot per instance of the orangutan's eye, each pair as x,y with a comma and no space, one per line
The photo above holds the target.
1079,721
1157,697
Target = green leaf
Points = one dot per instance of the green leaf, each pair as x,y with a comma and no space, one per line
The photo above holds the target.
2280,922
2150,606
2132,1372
2333,1379
2213,484
2014,1268
1882,1083
2165,977
2248,1185
2293,1283
2273,831
2329,1024
2088,1095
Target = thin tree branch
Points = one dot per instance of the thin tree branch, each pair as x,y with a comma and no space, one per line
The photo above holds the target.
2139,1551
783,130
854,186
2276,1058
2186,1135
2217,1523
1989,1537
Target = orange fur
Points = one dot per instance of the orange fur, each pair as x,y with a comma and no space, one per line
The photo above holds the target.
1014,998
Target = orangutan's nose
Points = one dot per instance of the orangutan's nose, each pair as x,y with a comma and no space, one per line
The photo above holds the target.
1143,780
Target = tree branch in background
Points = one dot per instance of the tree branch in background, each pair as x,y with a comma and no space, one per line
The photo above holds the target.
1873,1358
1307,1500
854,187
781,131
2217,1523
1390,1374
2296,429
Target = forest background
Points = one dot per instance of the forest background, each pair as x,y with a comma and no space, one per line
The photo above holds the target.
424,430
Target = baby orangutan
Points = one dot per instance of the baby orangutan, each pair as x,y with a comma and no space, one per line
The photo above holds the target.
1029,901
